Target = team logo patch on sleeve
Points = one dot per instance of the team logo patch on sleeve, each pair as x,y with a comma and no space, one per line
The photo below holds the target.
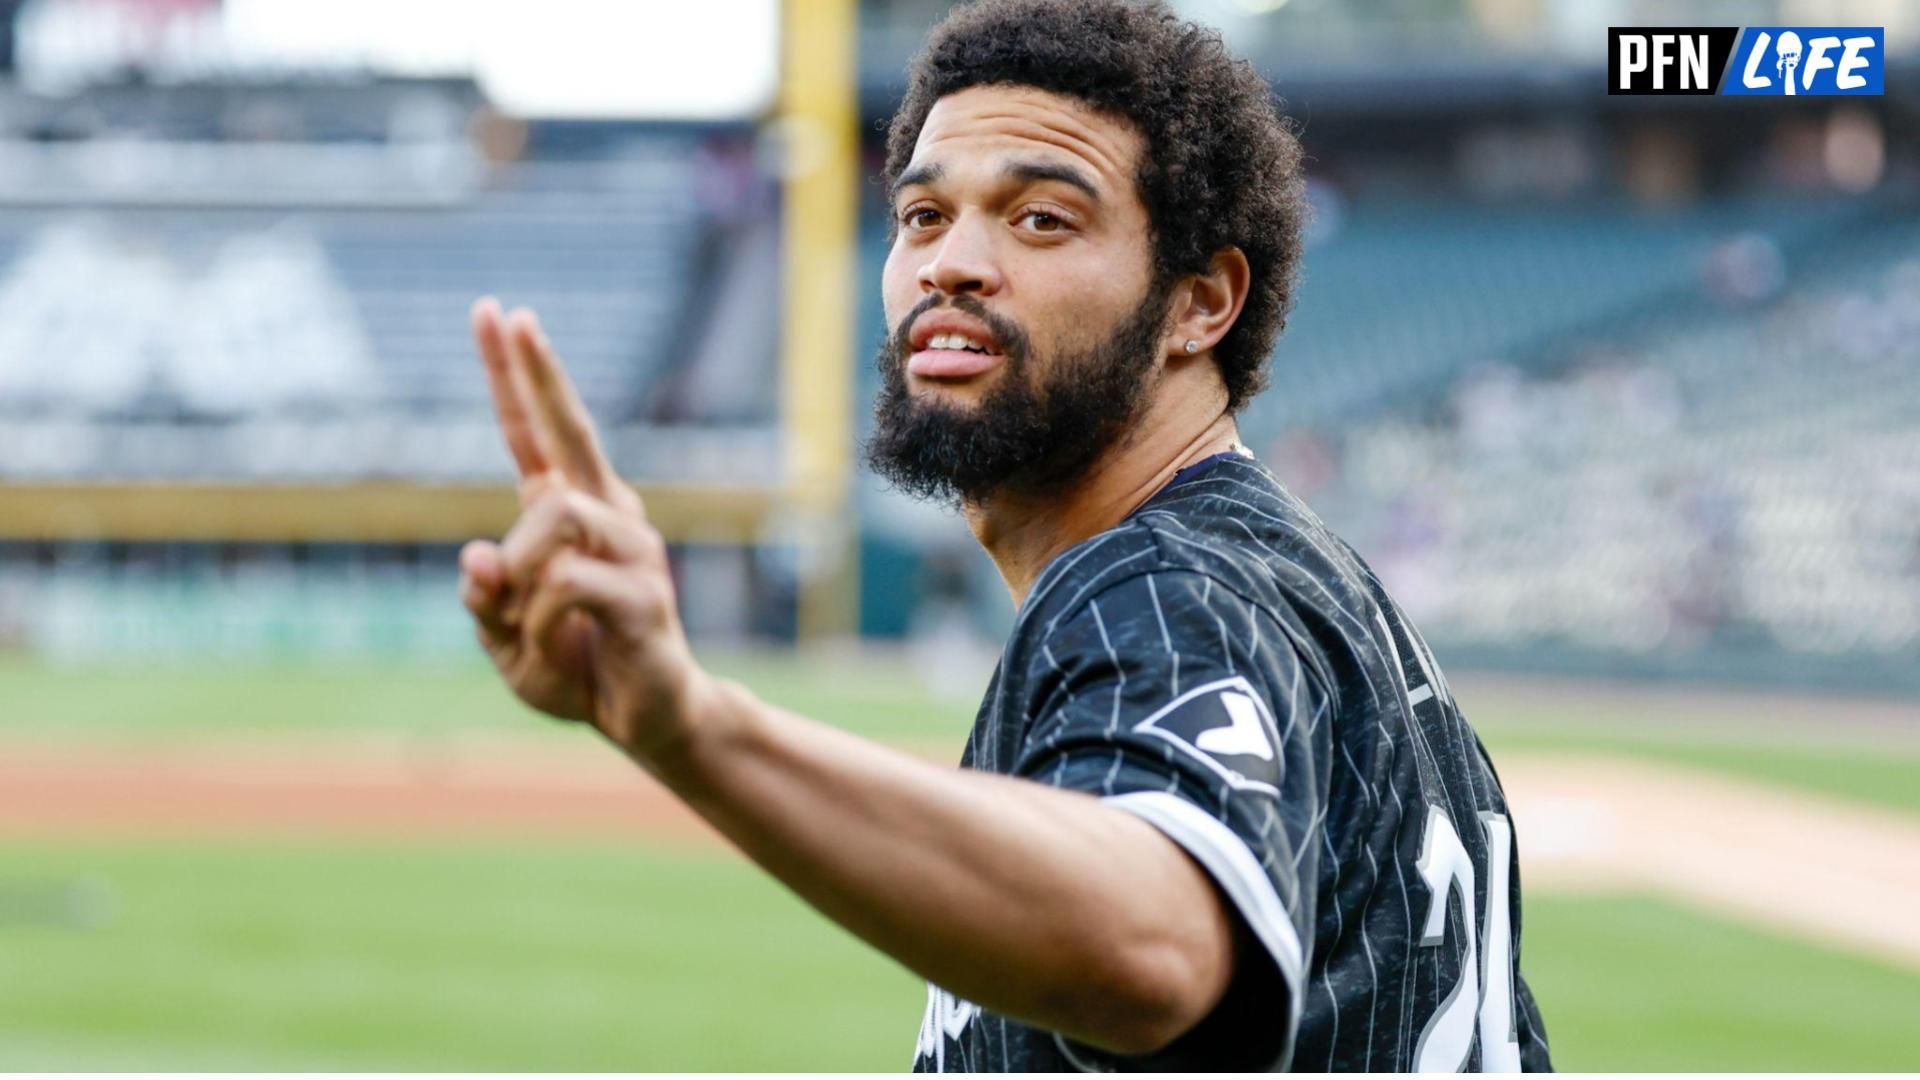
1225,726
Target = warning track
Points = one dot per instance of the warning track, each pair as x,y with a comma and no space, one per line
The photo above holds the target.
1840,873
1834,872
379,792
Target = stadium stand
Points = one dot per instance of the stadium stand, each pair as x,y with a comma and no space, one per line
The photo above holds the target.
1408,291
1576,426
1717,481
263,288
277,332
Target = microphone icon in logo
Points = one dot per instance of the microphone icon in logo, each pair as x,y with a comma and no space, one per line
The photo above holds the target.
1788,51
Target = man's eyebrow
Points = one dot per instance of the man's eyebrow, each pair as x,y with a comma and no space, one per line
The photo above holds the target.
1023,171
920,174
1030,171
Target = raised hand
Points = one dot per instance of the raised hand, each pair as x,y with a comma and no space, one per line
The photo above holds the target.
575,606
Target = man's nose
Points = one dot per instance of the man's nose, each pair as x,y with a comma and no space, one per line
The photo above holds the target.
963,261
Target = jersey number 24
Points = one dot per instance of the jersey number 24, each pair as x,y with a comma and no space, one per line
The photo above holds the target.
1474,1002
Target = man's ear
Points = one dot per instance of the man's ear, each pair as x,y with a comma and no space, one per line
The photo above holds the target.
1206,305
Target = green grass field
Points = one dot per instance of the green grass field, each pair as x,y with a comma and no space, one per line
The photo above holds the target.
274,955
169,703
466,957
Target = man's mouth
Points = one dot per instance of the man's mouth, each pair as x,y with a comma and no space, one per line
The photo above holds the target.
965,342
949,356
952,353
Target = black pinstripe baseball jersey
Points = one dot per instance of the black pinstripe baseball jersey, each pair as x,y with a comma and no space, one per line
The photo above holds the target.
1222,666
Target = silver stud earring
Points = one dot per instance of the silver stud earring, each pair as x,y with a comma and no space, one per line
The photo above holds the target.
1193,346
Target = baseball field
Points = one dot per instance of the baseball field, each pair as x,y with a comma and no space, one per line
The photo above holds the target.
401,869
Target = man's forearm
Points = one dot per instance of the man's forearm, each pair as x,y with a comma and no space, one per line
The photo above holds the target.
1043,905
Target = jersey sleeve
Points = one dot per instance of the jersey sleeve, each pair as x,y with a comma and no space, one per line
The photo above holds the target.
1174,699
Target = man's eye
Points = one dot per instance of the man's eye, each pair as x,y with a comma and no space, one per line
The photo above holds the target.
1042,221
921,217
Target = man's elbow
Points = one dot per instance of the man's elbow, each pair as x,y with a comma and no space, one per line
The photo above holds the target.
1154,994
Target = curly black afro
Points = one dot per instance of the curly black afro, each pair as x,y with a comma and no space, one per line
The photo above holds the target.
1222,166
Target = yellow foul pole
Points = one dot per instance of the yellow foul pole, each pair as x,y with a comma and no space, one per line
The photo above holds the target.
819,120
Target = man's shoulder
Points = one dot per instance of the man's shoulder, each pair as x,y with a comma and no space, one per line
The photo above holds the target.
1232,536
1238,515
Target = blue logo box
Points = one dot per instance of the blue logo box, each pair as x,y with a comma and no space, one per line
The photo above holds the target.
1807,61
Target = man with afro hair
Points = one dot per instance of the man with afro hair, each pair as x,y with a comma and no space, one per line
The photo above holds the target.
1219,808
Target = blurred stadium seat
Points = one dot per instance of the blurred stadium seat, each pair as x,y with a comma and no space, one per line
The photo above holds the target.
1596,385
331,338
1671,487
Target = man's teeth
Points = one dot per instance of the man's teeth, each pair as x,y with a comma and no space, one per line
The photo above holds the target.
955,341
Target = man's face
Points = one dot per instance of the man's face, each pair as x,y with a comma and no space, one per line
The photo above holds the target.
1025,320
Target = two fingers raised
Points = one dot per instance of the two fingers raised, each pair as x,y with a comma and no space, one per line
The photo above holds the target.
546,426
578,523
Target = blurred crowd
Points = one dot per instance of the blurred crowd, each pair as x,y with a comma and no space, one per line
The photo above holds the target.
1737,478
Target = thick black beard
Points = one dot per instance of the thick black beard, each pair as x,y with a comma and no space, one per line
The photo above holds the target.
1021,437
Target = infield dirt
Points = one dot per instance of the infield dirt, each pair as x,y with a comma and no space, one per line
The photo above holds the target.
1827,870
